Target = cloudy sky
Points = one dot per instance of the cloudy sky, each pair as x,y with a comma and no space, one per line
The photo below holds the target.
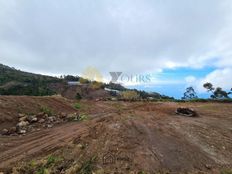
181,42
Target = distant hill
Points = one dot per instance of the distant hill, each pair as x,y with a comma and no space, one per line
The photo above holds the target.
17,82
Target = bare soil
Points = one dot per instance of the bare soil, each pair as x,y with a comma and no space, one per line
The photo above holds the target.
124,137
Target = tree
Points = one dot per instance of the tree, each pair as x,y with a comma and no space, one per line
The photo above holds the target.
190,94
208,86
217,93
83,80
229,93
71,78
96,85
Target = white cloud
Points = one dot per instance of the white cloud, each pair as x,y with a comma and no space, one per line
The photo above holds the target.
125,35
219,78
190,80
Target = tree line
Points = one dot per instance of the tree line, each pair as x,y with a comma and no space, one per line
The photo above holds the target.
216,92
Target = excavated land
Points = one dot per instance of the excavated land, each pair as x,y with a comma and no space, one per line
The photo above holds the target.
117,137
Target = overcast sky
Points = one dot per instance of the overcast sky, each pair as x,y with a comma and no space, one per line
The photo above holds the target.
132,36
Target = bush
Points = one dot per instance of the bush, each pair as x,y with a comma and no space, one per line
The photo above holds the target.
77,105
96,85
130,95
83,81
46,110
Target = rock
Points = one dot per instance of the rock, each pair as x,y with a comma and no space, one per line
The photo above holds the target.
21,127
45,116
114,99
22,118
49,126
62,115
80,146
41,120
51,119
22,131
21,115
208,166
32,118
5,132
12,130
71,117
186,112
22,124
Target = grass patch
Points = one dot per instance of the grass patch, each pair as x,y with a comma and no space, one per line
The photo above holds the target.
88,166
226,171
42,170
46,110
83,117
51,160
77,106
46,165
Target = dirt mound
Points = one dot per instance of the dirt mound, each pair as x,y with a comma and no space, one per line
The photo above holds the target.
11,106
86,92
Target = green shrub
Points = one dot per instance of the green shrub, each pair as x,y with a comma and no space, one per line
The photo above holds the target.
51,160
83,117
87,167
46,110
77,105
42,170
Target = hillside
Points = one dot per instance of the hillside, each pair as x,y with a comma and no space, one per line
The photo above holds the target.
17,82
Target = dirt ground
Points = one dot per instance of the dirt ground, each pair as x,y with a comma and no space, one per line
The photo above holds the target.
121,137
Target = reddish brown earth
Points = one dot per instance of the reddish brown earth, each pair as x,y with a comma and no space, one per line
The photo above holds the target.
128,137
11,106
85,90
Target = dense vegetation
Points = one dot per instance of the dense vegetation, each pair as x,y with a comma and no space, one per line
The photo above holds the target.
16,82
